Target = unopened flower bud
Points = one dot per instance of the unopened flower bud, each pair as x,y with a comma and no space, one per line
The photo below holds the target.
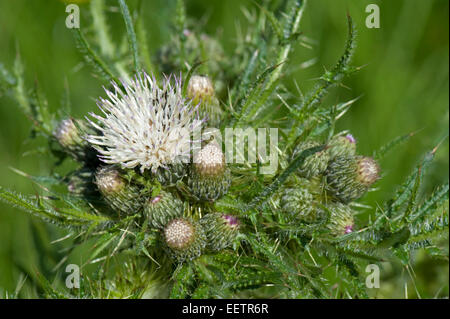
221,230
342,145
314,164
341,220
81,183
69,134
201,90
117,192
210,178
368,170
349,178
184,238
162,208
301,202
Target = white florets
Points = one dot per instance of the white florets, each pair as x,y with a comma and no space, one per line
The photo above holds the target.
210,155
145,126
179,233
210,160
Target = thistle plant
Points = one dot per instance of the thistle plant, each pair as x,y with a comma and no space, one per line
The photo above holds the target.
166,214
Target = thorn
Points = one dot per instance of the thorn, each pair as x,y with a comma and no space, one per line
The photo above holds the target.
439,144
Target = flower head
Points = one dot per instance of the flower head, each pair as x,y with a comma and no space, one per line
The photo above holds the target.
200,88
210,160
145,125
368,170
179,233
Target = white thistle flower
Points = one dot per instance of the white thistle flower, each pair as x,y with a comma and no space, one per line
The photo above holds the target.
144,125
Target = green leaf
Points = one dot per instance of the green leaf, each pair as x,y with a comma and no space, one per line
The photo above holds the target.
189,75
92,58
385,149
395,239
436,199
100,27
40,208
131,34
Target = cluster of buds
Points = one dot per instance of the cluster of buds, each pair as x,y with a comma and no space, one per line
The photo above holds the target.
142,153
346,176
186,239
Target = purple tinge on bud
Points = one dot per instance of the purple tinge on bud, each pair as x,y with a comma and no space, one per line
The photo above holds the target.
348,229
368,170
350,138
231,220
156,199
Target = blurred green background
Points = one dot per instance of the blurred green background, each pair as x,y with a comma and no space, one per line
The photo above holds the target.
404,88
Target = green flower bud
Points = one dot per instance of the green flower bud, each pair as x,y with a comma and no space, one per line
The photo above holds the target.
171,174
163,208
349,178
313,165
69,134
210,178
81,183
184,238
201,90
342,145
117,192
300,204
221,230
341,220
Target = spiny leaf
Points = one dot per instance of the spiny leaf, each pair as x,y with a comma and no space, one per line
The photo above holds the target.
404,193
431,229
60,216
295,10
253,95
395,239
274,23
131,34
183,279
97,8
385,149
336,74
92,58
437,198
327,81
